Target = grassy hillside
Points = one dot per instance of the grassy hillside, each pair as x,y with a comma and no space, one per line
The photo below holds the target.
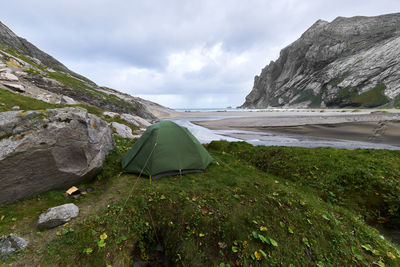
70,84
9,100
239,212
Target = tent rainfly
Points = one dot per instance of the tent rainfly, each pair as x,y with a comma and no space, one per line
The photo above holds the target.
166,149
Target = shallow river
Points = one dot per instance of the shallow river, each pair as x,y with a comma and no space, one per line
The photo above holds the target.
205,135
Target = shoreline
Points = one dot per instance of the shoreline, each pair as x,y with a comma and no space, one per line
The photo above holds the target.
373,127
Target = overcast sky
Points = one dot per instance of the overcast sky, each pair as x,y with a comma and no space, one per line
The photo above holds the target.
181,54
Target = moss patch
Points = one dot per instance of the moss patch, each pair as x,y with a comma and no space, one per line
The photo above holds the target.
373,98
347,93
397,102
335,81
305,95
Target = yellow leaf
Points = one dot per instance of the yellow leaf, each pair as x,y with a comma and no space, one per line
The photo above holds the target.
103,236
201,235
245,244
263,228
258,255
390,255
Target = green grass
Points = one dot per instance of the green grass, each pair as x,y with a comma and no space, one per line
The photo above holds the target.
373,98
239,209
9,100
308,95
80,86
17,54
93,94
365,181
72,82
316,101
397,102
347,93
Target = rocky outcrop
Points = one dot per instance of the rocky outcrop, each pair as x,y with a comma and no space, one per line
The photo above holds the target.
350,62
11,243
122,130
48,149
56,216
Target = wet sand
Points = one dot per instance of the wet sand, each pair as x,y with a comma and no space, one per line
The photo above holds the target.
382,132
373,127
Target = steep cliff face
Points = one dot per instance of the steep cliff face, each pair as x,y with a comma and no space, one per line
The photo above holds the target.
349,62
27,70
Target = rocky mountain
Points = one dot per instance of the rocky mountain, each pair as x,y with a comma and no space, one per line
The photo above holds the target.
26,70
349,62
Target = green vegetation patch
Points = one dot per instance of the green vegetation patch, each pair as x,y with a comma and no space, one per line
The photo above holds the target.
373,98
93,94
17,54
69,81
347,93
397,102
316,101
336,80
305,95
9,100
235,213
367,182
308,95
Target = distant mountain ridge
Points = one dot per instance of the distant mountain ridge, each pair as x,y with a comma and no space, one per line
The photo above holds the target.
349,62
27,70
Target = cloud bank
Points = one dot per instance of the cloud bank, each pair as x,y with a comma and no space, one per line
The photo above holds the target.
179,53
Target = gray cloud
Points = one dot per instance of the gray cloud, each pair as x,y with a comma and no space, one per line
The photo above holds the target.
175,52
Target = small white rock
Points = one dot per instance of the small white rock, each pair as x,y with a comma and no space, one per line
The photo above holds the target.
36,61
135,120
56,216
15,86
66,100
5,76
122,130
110,114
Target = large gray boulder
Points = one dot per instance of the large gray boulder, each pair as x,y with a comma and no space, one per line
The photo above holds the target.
50,149
11,243
348,62
56,216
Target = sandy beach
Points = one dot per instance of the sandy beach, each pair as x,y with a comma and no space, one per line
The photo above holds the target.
364,126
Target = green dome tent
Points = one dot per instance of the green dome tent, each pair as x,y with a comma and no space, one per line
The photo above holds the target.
165,149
